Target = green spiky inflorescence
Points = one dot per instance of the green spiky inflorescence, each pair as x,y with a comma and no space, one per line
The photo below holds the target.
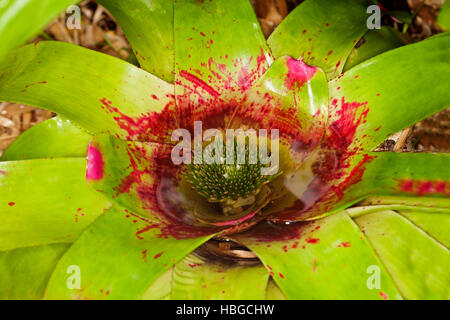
228,182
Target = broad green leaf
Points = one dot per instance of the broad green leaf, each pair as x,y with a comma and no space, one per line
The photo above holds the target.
323,32
435,224
412,174
443,19
301,92
423,202
414,87
417,263
99,92
219,51
119,256
196,279
142,177
24,272
53,138
45,201
373,43
160,288
148,26
21,20
326,259
382,173
273,292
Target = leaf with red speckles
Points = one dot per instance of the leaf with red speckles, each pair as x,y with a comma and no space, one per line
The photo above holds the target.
123,263
382,173
195,279
99,92
142,177
396,89
417,263
148,26
220,52
293,98
323,32
33,16
63,139
18,266
373,43
52,202
323,268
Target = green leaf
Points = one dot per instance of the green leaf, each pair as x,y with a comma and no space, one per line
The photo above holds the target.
409,174
414,87
99,92
120,255
382,173
24,272
148,26
160,288
273,292
417,263
373,43
45,201
196,279
324,259
435,224
443,19
33,16
288,85
323,32
53,138
220,49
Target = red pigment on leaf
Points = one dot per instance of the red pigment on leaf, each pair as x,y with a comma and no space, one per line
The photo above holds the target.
94,163
144,255
424,187
158,255
313,240
199,83
11,204
345,244
281,275
383,295
298,73
152,126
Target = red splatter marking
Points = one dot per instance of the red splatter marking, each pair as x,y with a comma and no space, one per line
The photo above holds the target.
424,187
304,31
281,275
193,265
154,96
158,255
94,163
384,295
298,73
202,34
378,128
345,244
11,204
199,83
330,52
313,240
144,255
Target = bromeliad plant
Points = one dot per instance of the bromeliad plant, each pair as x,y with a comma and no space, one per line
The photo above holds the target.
135,225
